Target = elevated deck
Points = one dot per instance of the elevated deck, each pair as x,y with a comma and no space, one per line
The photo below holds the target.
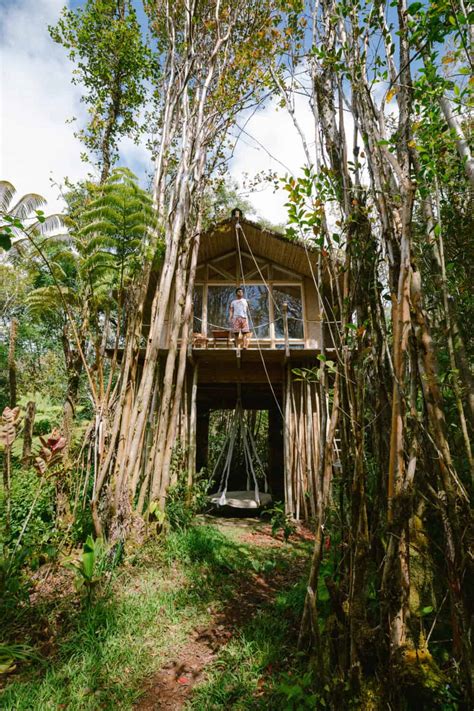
252,365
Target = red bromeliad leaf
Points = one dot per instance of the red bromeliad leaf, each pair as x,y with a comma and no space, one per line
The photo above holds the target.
54,436
11,416
45,454
9,423
7,435
51,451
183,680
59,444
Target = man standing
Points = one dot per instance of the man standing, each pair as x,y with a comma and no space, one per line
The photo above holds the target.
239,315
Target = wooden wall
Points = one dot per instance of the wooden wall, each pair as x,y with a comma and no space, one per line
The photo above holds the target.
312,314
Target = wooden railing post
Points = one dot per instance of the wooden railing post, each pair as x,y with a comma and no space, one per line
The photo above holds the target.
285,329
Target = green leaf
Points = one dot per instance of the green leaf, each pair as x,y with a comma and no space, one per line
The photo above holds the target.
88,562
5,241
414,7
89,558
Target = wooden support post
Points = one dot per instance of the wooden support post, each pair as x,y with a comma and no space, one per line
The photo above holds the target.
285,330
12,362
287,439
202,438
192,427
311,459
276,461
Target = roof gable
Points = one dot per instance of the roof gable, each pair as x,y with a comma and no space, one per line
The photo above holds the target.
257,241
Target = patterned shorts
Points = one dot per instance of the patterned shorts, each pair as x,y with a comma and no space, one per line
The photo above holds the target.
240,324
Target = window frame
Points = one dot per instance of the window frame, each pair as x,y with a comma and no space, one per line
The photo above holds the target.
270,284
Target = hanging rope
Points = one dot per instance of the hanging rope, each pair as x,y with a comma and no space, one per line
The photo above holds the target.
239,431
238,228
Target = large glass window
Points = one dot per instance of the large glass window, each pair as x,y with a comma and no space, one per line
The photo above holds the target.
218,304
257,296
292,296
219,298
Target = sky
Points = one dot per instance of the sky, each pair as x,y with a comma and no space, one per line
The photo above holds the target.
38,149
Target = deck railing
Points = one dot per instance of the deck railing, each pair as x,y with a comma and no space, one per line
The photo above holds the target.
226,341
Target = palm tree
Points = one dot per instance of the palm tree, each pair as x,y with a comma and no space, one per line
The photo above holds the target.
21,220
23,217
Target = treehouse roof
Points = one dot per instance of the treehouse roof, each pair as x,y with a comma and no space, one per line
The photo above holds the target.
265,243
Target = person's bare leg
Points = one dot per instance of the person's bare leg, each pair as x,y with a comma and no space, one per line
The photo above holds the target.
246,340
236,339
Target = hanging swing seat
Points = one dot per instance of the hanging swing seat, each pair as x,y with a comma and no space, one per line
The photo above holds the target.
251,498
240,500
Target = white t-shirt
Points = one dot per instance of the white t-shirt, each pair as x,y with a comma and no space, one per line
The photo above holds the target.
240,308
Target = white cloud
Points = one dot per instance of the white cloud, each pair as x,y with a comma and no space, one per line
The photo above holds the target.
272,143
36,143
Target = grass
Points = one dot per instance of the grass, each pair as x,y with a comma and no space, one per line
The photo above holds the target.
99,655
105,649
246,673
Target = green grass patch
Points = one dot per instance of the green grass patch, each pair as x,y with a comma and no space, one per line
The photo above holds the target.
100,654
105,648
246,673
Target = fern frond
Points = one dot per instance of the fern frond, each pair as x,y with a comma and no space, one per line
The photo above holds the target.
47,299
99,227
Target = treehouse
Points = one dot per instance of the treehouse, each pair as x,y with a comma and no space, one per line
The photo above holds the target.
279,283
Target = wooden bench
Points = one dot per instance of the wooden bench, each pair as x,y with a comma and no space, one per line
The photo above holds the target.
219,336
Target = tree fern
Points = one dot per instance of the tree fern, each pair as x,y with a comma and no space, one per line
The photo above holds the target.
114,232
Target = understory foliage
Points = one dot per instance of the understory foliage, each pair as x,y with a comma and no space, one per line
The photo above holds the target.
386,195
95,450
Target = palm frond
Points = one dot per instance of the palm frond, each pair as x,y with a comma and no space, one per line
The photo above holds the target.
7,191
26,205
48,224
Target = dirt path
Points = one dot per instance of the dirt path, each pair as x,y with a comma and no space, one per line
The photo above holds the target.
171,686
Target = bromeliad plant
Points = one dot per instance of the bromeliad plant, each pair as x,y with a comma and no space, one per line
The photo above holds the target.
51,451
280,520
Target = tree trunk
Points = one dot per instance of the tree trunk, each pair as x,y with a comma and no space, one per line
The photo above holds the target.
26,458
69,408
12,363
